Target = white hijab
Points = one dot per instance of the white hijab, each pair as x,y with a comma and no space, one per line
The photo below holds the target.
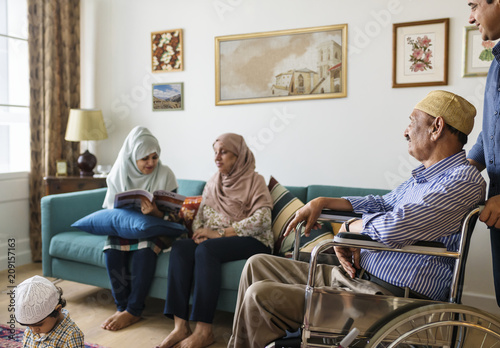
125,175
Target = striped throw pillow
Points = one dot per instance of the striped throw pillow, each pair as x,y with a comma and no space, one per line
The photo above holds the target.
285,205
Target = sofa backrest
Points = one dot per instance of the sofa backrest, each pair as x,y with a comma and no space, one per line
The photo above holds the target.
190,187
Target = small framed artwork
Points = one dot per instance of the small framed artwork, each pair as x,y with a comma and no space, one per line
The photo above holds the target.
420,53
166,50
168,96
477,53
61,168
285,65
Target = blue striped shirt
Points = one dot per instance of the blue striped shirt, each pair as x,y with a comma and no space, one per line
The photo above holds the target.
429,206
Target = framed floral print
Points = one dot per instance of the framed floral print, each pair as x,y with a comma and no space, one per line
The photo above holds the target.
420,53
477,53
166,50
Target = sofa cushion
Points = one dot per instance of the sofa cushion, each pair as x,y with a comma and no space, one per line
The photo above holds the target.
78,246
128,223
285,205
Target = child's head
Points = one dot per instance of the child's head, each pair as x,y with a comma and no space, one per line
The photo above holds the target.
38,304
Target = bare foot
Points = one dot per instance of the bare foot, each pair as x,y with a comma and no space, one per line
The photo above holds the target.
177,335
120,320
107,321
196,341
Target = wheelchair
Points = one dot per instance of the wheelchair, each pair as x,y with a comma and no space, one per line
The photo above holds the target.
340,319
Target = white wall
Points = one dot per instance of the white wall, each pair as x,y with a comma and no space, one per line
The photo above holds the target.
353,141
14,220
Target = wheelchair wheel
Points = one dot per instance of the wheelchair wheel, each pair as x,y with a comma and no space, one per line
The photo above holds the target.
439,325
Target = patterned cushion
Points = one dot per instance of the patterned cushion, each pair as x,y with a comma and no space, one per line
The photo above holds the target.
284,207
188,212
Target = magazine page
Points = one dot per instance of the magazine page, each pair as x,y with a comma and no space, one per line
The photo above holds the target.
169,201
132,199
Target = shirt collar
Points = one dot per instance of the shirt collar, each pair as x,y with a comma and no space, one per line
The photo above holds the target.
422,174
496,52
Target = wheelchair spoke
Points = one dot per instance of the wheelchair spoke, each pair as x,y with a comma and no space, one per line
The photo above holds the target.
439,325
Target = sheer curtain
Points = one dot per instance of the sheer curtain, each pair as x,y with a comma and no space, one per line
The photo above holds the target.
54,59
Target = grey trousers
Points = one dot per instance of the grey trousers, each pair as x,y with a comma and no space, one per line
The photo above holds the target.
271,299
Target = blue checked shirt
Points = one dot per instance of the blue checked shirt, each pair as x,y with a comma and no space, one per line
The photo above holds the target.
487,146
429,206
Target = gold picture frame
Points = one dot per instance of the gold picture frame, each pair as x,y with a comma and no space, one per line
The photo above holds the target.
61,168
285,65
420,53
168,96
477,53
167,51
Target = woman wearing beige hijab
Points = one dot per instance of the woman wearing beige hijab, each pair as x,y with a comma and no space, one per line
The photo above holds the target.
233,223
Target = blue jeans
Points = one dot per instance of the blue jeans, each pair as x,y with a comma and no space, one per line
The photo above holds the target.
198,267
130,286
495,256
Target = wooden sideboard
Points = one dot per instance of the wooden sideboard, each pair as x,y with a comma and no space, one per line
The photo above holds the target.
63,184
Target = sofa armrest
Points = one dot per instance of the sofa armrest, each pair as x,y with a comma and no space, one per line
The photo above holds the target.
59,211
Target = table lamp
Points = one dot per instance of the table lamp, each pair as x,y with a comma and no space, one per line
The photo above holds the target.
86,124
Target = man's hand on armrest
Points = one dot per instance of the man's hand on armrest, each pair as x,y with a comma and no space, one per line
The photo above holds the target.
311,211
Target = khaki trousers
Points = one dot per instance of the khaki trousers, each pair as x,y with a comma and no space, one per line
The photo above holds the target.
271,299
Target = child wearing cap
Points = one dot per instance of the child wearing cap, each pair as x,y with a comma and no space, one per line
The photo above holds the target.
39,306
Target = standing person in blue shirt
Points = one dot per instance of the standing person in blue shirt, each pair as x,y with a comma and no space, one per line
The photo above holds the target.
485,14
429,206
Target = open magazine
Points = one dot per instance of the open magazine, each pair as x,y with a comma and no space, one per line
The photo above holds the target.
166,201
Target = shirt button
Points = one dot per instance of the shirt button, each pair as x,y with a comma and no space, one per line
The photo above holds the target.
491,161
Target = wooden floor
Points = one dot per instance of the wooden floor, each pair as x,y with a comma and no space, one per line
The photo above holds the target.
89,306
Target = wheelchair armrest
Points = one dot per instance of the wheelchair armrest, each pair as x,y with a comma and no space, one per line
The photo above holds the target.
337,215
363,240
326,215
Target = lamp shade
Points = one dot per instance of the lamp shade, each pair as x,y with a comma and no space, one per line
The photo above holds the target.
85,124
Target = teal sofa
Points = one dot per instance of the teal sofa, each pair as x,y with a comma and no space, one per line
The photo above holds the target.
70,254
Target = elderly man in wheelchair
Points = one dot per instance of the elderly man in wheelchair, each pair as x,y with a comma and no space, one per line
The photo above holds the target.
383,297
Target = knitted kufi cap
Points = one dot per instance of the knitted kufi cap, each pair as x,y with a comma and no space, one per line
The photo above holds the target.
36,298
455,110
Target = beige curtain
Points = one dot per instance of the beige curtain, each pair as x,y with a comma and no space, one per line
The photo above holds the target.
54,50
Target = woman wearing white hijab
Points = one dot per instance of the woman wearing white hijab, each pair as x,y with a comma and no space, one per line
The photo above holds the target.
137,167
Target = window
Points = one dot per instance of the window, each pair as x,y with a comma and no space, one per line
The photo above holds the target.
14,87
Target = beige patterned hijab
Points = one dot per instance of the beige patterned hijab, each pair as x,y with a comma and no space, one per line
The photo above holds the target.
240,193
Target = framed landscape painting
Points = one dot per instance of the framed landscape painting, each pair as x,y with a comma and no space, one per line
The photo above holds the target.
168,96
478,54
296,64
420,53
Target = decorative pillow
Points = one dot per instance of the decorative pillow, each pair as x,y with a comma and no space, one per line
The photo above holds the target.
128,223
324,232
284,207
188,212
